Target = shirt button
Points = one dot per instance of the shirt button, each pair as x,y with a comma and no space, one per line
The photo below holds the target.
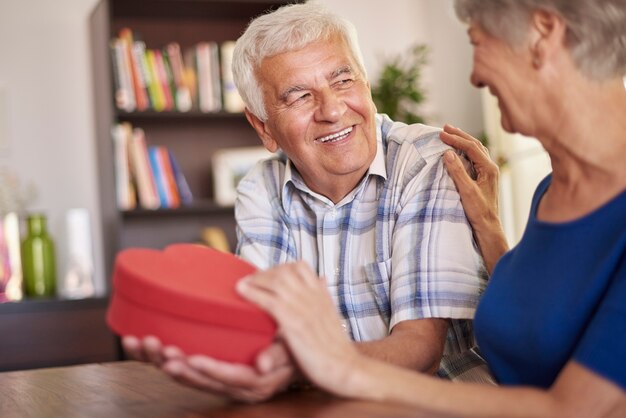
336,271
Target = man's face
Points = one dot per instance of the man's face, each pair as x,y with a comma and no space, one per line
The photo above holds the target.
320,113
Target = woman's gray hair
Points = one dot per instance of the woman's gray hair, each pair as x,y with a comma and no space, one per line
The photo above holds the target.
289,28
596,29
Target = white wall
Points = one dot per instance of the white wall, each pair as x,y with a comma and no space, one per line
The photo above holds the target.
48,135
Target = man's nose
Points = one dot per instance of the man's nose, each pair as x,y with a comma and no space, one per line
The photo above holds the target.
331,107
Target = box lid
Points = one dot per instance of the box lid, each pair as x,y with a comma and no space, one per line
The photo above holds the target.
188,282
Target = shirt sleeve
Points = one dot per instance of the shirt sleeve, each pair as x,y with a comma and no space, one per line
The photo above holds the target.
262,235
603,345
437,269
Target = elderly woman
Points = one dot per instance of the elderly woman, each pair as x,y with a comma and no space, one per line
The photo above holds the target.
552,322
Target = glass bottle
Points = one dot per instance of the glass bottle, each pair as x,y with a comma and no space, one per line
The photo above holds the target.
38,259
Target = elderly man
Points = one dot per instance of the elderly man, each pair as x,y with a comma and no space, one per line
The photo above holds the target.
364,201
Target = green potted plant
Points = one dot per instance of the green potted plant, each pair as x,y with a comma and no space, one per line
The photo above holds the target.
398,92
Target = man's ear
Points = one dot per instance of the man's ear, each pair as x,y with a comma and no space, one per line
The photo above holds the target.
262,131
547,36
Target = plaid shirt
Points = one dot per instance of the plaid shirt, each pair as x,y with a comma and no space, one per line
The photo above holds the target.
397,248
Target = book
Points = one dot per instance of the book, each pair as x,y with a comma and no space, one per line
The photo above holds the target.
161,73
209,96
140,167
124,188
232,100
159,177
157,96
216,78
186,197
137,79
123,90
139,51
183,89
190,76
165,165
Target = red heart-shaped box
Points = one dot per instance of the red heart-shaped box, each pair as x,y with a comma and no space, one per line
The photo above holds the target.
185,295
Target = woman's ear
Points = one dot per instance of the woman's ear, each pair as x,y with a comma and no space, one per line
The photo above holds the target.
262,131
547,36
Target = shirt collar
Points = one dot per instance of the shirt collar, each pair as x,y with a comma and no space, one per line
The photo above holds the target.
377,168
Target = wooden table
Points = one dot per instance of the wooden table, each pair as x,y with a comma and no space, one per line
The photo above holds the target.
133,389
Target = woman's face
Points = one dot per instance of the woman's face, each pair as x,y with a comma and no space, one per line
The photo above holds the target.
507,72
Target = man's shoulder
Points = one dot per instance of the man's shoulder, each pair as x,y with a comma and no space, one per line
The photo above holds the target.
415,137
266,174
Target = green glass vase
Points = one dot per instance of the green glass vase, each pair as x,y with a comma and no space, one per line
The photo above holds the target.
38,259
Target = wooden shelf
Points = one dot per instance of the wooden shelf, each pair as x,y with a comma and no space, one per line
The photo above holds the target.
198,9
184,117
47,304
197,208
53,332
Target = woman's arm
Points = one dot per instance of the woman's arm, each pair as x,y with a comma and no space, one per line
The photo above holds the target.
480,196
309,324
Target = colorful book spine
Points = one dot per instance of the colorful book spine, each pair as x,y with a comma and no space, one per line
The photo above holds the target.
163,80
186,197
140,165
183,97
157,96
139,51
141,98
159,177
168,175
124,189
124,95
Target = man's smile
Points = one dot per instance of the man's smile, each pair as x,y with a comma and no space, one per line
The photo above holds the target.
337,136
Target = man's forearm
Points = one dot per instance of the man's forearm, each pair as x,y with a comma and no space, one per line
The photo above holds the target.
416,345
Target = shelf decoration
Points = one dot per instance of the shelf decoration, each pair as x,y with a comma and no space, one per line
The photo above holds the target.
229,166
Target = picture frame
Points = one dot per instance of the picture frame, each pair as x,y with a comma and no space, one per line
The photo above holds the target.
229,166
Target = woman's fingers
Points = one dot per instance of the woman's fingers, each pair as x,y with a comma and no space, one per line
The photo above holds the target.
463,141
464,183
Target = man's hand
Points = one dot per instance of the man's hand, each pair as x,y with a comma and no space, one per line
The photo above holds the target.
272,372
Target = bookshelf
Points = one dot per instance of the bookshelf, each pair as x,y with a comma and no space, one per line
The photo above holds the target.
192,137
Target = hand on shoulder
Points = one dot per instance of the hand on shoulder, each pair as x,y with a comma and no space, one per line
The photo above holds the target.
479,196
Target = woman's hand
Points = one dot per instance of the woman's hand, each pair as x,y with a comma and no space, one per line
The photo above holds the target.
480,196
308,322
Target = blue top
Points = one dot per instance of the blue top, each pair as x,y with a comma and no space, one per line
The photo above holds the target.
560,294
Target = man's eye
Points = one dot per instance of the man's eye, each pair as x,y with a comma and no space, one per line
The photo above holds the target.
346,82
302,97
